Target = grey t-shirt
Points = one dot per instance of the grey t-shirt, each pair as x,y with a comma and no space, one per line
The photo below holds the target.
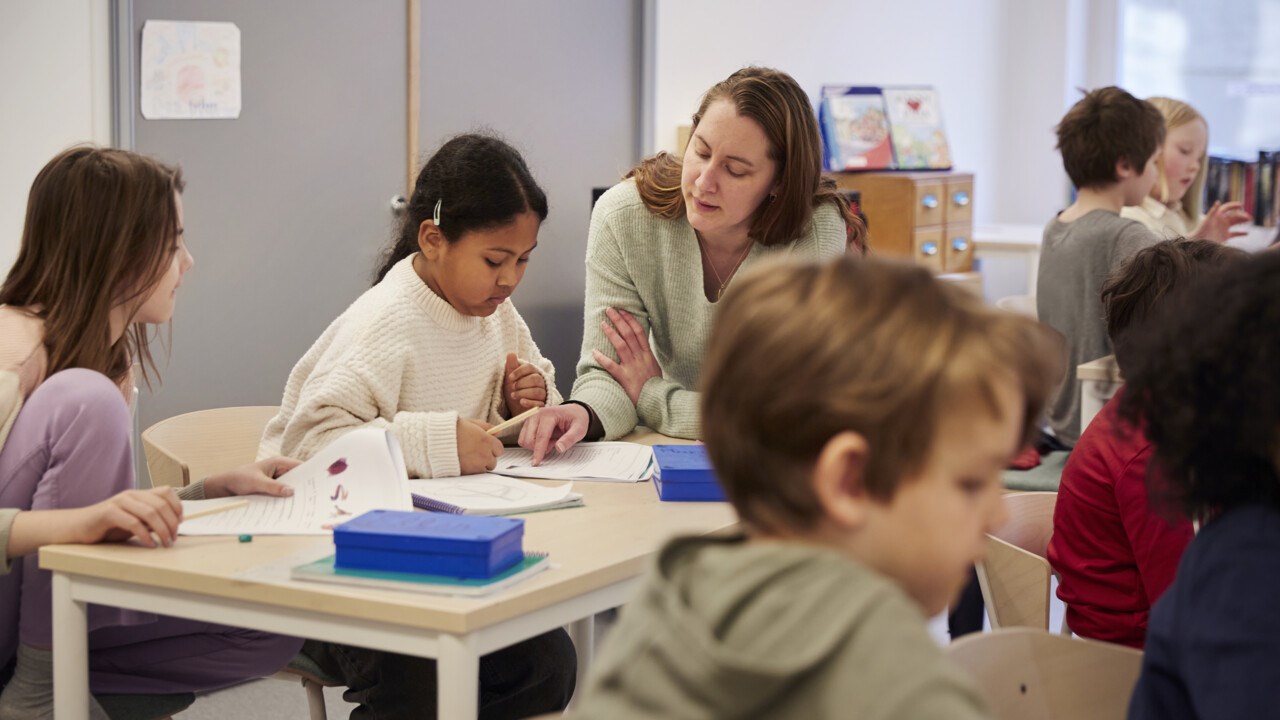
1075,259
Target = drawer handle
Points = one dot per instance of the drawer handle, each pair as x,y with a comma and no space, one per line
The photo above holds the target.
930,201
960,198
959,244
929,249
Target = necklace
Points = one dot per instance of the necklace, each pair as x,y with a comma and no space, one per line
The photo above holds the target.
736,265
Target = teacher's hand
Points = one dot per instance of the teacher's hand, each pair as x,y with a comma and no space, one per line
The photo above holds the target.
636,363
563,425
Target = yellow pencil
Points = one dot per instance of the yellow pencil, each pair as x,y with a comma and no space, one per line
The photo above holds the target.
502,426
215,510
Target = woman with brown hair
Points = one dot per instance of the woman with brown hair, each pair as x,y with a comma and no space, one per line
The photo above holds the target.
666,242
102,257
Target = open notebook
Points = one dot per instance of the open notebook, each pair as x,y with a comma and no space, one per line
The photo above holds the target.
489,494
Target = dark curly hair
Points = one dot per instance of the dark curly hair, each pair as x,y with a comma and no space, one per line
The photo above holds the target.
1204,380
1152,275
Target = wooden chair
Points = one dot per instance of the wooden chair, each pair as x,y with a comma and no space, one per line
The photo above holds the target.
189,447
1015,575
207,442
1035,675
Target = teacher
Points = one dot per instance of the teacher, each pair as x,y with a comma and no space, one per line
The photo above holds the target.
666,242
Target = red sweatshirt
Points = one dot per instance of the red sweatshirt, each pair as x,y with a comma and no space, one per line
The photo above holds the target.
1114,555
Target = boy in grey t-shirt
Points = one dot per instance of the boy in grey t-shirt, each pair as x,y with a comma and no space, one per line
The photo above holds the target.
1109,141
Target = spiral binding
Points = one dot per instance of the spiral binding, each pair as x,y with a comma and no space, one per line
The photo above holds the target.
422,502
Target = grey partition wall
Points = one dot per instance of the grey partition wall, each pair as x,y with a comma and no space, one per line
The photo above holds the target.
563,82
287,206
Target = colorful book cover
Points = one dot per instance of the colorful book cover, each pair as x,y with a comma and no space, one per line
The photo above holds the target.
855,129
915,121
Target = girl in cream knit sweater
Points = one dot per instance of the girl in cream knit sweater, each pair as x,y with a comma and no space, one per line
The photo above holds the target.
434,351
437,353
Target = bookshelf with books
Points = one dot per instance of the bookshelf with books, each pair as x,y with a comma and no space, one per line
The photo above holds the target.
1251,182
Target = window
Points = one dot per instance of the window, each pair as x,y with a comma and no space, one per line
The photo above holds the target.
1223,57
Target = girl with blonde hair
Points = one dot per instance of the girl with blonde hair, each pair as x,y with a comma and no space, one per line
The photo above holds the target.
1173,207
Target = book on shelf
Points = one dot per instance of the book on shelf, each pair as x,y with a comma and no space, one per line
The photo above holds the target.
855,128
1252,183
867,127
915,122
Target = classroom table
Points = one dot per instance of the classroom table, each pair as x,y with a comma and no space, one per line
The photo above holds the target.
598,553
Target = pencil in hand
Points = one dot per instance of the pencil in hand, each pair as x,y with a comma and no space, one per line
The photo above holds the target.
513,422
215,510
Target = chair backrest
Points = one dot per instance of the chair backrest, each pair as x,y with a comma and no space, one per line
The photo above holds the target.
193,446
1015,575
1021,304
1035,675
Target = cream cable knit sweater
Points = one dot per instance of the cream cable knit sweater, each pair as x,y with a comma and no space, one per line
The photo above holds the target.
652,268
402,358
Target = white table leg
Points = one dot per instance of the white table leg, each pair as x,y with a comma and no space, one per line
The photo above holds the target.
458,673
70,653
583,634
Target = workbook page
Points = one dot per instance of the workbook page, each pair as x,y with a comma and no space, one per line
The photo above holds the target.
605,461
360,471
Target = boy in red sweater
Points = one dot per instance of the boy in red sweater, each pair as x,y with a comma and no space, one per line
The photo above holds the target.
1113,553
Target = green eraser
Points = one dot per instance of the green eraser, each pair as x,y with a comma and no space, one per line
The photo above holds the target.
246,538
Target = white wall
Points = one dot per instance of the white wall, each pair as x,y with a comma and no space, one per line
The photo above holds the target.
55,85
1004,69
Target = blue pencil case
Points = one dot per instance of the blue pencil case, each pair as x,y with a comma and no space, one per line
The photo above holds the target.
683,472
463,546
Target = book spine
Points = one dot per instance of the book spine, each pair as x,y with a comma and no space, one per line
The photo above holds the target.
422,502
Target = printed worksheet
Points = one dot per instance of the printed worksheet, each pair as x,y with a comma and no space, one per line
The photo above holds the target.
360,471
602,461
490,494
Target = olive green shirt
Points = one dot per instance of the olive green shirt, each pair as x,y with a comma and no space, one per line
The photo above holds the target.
652,268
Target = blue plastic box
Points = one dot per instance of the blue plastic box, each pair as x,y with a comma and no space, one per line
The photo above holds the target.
683,472
429,543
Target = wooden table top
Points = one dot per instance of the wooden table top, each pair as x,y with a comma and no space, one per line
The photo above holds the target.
610,539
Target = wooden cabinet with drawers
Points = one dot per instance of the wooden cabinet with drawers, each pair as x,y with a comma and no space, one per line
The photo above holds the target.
926,216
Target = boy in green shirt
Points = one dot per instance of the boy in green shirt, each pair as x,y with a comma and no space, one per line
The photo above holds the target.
858,414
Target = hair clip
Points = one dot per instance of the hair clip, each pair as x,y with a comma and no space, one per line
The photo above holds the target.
435,216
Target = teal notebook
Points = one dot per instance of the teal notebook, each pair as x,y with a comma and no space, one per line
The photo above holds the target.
322,570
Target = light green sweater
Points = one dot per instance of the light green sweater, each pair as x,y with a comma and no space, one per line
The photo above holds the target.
652,268
731,628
